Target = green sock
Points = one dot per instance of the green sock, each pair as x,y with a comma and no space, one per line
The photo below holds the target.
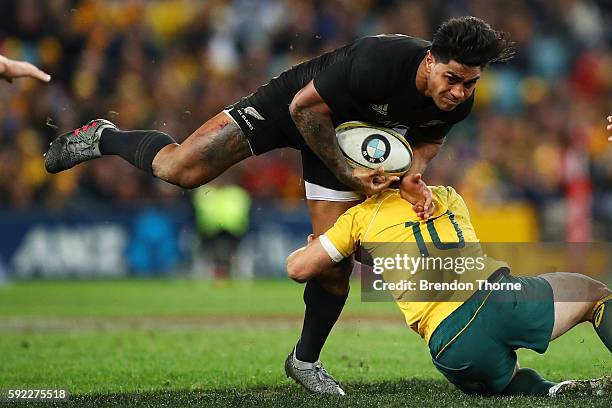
527,382
602,320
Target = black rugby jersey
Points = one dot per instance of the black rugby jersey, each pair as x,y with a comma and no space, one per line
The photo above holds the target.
373,80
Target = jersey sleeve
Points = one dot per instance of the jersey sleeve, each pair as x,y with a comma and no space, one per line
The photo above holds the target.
367,76
332,86
462,214
374,76
341,240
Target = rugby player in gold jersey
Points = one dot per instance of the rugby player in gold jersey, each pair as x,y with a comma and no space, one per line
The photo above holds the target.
472,335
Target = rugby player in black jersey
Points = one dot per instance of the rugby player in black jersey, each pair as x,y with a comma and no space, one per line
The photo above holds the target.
421,88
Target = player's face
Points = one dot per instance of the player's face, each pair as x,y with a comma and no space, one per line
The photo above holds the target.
451,84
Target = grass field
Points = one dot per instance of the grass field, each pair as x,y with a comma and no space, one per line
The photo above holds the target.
191,343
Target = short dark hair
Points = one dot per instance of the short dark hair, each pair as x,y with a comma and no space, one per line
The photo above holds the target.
470,41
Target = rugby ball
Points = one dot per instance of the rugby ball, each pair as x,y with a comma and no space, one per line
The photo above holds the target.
370,146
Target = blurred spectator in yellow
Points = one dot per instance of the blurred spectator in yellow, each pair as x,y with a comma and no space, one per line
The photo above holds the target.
222,219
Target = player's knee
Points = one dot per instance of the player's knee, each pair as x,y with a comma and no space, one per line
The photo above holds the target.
597,291
173,166
336,280
182,175
189,179
337,287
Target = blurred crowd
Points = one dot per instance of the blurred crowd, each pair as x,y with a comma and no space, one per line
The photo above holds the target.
537,134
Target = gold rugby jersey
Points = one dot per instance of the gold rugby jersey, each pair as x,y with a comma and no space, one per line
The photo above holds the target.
387,228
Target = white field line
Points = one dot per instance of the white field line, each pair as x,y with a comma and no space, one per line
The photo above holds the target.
129,323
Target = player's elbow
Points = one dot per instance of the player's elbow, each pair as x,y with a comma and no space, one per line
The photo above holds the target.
308,100
298,270
295,107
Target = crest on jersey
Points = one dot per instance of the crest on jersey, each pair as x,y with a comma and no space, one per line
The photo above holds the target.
253,112
375,148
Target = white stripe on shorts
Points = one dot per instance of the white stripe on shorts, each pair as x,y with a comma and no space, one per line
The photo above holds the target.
317,192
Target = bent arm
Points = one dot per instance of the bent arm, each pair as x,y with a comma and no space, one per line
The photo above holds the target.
312,117
309,261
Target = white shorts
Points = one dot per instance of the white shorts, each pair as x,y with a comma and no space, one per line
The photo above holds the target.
316,192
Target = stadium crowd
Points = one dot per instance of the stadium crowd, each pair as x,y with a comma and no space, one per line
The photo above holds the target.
537,134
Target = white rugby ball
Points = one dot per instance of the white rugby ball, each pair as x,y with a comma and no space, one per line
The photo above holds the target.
370,146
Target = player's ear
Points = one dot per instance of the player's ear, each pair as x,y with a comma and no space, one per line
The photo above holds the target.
430,60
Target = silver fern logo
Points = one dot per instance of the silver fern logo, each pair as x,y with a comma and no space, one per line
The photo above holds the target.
253,112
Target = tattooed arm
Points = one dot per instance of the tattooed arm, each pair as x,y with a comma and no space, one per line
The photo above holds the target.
312,116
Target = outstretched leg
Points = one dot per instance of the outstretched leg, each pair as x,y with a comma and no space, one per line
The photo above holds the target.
209,151
577,299
324,296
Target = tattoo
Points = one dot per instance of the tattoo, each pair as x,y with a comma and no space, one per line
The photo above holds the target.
209,151
319,134
226,145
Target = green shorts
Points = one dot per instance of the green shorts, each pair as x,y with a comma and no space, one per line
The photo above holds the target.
474,347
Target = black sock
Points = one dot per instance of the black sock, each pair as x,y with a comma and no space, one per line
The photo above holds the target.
138,147
602,320
528,382
322,311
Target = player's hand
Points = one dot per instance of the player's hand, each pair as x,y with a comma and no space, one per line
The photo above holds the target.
373,181
11,69
310,238
609,127
416,192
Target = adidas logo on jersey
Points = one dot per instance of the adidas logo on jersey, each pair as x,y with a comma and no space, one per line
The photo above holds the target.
382,109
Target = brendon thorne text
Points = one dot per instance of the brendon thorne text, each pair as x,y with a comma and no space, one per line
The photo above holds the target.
422,284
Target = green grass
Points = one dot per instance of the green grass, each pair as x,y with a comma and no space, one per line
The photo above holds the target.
164,298
184,343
